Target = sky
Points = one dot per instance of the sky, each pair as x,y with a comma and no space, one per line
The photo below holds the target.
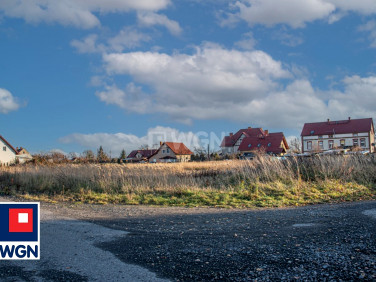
78,74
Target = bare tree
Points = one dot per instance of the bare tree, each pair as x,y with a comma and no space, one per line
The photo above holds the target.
295,145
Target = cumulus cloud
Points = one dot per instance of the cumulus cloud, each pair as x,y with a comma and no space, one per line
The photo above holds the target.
151,19
199,85
296,13
8,103
119,141
79,13
218,83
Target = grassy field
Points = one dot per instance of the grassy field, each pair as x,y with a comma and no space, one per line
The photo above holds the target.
262,182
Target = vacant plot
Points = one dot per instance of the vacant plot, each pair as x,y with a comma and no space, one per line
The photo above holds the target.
262,182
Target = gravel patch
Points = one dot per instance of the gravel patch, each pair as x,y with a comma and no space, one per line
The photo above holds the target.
208,244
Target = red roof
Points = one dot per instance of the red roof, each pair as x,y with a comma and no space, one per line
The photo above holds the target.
229,141
179,148
270,143
338,127
144,153
7,143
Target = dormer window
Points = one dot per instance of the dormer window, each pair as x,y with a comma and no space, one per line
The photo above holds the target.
258,145
269,144
249,145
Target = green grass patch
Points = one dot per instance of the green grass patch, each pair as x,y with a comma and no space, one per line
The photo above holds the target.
274,194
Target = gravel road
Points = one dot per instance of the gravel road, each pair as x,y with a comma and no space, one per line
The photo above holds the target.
322,242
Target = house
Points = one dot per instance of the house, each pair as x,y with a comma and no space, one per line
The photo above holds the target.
7,152
344,134
270,143
251,139
10,155
171,152
140,155
230,144
23,155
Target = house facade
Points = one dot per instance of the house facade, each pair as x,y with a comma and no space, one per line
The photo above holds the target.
23,155
171,152
7,152
342,134
254,139
140,155
272,144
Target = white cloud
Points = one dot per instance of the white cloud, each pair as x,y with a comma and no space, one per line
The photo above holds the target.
288,39
198,86
370,27
88,45
127,38
79,13
245,86
248,42
151,19
131,99
118,141
7,102
296,13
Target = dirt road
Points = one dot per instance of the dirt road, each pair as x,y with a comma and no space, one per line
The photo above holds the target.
92,242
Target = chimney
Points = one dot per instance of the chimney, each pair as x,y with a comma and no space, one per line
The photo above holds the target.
349,118
249,127
160,143
266,132
231,134
328,120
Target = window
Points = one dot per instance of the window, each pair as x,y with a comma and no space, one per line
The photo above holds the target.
331,144
321,145
355,142
168,150
320,136
330,136
249,145
362,142
163,151
4,148
355,134
342,142
309,145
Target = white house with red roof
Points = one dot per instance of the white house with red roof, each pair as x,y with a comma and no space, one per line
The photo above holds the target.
345,134
171,152
254,139
9,155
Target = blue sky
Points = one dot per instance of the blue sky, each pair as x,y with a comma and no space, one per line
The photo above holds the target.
77,74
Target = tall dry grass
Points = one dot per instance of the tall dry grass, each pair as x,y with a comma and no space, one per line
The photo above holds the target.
220,175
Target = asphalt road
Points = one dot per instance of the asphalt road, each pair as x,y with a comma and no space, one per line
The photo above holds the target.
130,243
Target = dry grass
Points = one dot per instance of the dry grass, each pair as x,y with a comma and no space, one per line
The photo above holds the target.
260,182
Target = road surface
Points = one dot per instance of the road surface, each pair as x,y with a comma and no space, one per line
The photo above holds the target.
136,243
